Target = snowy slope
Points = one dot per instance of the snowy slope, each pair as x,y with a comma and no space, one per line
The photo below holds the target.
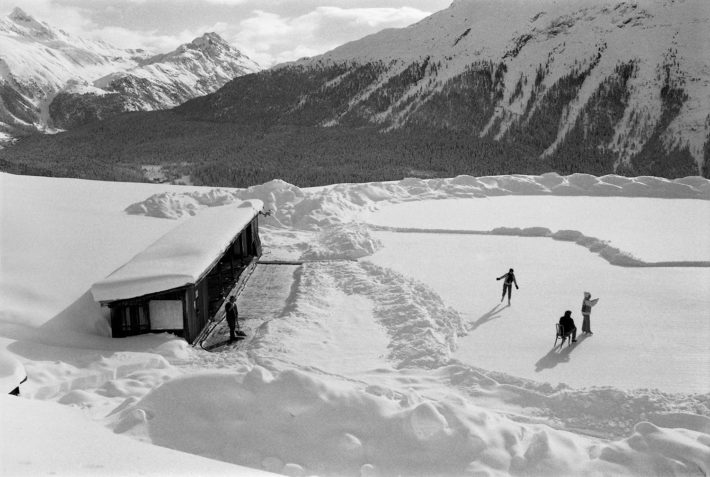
356,366
661,38
38,62
194,69
596,87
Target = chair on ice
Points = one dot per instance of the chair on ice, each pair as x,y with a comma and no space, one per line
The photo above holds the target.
561,334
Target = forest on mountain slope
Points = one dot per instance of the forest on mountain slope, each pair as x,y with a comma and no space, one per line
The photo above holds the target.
272,125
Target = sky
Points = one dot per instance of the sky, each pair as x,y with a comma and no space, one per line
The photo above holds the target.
268,31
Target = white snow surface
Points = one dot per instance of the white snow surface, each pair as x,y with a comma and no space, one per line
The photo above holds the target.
386,351
12,373
179,257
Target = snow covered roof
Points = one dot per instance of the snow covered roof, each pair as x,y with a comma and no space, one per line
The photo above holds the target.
181,256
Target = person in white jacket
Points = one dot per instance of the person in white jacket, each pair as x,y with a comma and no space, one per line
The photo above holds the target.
587,304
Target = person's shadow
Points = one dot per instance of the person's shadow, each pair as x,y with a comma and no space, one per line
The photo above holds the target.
558,354
488,316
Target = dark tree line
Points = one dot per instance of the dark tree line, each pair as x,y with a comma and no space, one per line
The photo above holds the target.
271,125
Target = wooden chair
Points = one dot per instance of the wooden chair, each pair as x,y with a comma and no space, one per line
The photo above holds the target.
560,334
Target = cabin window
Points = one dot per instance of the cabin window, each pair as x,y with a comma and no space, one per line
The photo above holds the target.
133,319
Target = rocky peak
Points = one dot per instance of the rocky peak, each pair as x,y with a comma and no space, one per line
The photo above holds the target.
211,45
29,25
19,15
209,39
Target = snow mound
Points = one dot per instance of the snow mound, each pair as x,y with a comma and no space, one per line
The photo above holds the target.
611,254
600,410
282,423
347,241
174,205
89,369
331,205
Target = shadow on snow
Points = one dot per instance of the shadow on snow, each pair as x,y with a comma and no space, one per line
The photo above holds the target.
558,354
491,315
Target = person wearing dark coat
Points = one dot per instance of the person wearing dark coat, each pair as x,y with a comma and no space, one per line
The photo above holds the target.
567,324
230,309
508,284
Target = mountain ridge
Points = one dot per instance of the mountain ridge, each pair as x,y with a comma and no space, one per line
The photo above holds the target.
660,38
51,80
479,88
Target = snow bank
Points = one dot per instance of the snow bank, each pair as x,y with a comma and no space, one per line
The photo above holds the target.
173,205
298,424
316,207
348,241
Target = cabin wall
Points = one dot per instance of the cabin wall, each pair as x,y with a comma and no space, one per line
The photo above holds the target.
133,317
192,322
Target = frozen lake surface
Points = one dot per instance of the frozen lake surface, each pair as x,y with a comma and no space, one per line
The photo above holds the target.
651,326
650,229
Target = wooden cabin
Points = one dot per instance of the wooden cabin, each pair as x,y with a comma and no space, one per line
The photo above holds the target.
181,281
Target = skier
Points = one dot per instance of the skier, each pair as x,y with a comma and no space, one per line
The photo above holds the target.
568,324
587,304
230,309
508,284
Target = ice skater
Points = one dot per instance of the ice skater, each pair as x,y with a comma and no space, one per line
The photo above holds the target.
587,304
508,284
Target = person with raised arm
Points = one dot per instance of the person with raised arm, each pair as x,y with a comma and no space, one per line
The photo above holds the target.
587,304
508,284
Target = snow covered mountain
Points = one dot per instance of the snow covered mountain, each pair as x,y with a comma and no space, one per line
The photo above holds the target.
481,88
622,84
49,79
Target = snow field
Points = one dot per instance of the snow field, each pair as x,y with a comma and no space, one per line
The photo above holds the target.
350,371
641,323
651,230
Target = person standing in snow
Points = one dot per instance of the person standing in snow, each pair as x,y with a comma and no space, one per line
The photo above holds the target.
230,309
587,304
567,324
508,284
